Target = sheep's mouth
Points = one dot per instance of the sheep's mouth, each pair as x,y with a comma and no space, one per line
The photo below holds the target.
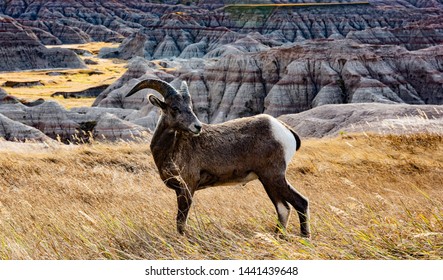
196,132
195,129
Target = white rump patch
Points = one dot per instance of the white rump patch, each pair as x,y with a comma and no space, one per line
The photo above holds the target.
285,137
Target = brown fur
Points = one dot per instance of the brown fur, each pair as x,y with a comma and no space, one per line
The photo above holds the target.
219,154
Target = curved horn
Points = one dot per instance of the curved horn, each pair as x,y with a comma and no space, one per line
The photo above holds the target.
162,87
184,89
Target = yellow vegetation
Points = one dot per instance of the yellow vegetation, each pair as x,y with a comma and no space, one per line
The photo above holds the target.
372,197
71,80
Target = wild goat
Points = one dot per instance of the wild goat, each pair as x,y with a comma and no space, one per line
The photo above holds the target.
191,156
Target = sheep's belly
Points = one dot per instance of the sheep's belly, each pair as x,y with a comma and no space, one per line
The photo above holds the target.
250,177
215,181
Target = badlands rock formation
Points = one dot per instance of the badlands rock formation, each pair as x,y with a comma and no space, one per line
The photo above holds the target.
288,60
168,29
49,120
237,61
193,33
21,123
20,50
5,98
45,120
89,92
333,120
15,131
294,78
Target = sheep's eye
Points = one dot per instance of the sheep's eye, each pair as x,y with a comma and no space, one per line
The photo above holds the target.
175,109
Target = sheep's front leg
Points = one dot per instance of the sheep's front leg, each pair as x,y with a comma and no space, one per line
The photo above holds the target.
184,201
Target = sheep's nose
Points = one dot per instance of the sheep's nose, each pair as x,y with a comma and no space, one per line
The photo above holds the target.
195,128
198,127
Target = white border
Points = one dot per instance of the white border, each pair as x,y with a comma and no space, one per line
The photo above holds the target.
329,269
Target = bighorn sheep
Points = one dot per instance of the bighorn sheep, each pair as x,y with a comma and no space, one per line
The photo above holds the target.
191,156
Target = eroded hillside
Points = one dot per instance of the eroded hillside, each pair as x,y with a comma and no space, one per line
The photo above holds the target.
238,60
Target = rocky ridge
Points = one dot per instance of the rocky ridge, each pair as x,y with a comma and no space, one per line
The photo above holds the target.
21,50
47,121
190,34
15,131
294,78
81,125
334,120
241,62
168,29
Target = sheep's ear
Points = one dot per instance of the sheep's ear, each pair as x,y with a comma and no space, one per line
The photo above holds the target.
156,102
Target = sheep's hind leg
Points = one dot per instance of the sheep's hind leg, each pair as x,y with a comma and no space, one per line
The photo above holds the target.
281,206
301,205
283,211
184,201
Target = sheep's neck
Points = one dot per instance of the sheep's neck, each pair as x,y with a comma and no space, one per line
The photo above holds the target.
163,144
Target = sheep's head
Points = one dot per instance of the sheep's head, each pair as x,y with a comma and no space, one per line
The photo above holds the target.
176,107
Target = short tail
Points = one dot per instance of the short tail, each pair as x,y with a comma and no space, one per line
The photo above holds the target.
297,139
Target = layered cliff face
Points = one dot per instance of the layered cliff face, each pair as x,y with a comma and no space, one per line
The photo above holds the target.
333,120
333,72
170,28
208,29
237,61
216,34
295,78
49,121
70,21
281,80
287,60
15,131
20,50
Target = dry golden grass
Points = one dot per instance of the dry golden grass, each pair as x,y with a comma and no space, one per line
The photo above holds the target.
93,47
69,81
372,197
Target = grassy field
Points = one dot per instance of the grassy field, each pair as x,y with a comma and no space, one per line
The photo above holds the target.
67,80
372,197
